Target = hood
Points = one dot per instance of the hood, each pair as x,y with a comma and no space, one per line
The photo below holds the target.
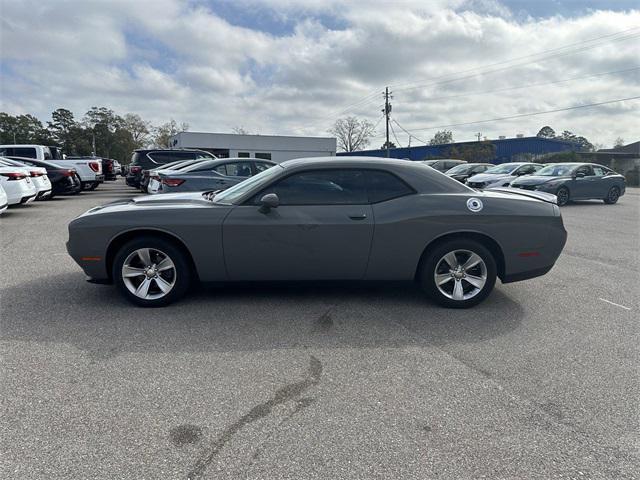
536,180
488,177
165,200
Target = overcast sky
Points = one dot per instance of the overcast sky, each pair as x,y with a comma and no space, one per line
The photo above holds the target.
292,68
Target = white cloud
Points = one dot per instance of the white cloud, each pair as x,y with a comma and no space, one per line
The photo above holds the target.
166,59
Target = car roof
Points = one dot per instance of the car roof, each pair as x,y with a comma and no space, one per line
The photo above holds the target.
420,176
355,161
147,150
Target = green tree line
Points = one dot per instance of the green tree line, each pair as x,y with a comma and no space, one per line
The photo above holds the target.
114,136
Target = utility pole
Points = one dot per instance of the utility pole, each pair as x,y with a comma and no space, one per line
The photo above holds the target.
387,114
479,135
93,142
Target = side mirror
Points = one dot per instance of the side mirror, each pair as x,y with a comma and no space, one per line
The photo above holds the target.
579,175
269,201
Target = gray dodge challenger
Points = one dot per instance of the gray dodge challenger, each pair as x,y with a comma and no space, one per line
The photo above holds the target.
335,218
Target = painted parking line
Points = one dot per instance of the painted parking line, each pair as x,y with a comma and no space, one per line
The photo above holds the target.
616,304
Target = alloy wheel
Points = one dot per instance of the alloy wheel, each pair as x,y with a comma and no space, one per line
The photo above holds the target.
149,273
460,275
563,196
614,194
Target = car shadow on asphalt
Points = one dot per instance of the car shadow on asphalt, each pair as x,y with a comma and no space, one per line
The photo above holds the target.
98,321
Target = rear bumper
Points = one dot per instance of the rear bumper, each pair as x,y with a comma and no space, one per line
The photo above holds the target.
43,194
523,265
518,277
133,181
28,198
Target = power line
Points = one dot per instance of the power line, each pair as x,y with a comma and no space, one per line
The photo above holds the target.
394,135
411,135
531,114
558,50
506,89
371,97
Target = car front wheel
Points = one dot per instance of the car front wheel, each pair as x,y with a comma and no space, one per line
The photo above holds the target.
613,196
459,273
151,272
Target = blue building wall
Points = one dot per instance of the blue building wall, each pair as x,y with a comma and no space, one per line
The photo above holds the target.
506,149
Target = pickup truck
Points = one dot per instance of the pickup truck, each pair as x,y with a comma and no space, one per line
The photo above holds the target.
89,169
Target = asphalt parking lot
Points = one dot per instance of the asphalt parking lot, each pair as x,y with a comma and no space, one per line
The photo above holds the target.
321,381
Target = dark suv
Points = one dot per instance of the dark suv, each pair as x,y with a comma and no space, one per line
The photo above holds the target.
145,160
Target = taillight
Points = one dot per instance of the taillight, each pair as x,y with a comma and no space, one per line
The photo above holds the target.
35,174
14,176
135,169
95,166
172,182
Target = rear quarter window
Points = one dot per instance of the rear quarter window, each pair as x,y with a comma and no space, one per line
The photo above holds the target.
383,186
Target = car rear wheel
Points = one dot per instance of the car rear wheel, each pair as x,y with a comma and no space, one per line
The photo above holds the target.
563,196
459,273
151,272
613,196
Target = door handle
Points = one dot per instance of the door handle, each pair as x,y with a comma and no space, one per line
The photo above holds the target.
360,216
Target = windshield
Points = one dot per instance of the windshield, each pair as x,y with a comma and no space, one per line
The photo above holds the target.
460,169
557,170
504,168
232,194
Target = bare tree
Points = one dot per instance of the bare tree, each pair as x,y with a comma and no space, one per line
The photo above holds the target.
162,134
442,137
139,129
352,134
619,142
239,130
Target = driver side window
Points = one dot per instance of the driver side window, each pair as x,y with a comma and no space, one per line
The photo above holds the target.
585,170
320,187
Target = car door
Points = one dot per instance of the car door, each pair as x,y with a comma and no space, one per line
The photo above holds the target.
321,230
584,183
601,183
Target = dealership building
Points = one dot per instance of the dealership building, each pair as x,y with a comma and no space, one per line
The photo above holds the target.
270,147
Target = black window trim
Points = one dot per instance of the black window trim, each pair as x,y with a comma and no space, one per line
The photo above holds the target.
412,190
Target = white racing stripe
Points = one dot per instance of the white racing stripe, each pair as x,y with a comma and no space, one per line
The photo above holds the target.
616,304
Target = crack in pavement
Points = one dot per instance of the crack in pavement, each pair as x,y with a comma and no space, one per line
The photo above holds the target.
282,395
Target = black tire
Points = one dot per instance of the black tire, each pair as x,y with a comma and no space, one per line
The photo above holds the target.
563,196
432,265
612,196
93,186
181,278
79,187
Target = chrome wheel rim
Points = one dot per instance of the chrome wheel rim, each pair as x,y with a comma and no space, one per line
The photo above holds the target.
149,273
460,275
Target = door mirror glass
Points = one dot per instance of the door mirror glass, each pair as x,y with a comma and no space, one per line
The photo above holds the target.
579,175
269,201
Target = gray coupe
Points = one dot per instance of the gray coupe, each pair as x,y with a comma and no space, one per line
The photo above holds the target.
335,218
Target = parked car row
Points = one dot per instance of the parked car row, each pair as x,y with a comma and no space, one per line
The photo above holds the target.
39,172
170,171
567,181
